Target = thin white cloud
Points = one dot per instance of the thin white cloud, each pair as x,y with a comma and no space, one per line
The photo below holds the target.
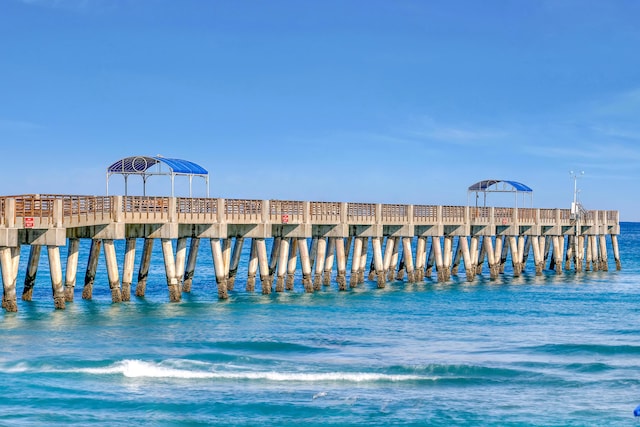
17,125
427,128
624,104
75,5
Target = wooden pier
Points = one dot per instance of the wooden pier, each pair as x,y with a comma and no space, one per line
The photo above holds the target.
384,242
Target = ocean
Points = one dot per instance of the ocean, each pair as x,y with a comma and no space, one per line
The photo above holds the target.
551,350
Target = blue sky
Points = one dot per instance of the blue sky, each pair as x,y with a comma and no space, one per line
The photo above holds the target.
371,101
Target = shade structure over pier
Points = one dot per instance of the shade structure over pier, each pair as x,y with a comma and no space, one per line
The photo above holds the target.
500,186
146,166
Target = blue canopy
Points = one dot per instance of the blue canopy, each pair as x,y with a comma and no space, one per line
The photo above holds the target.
146,166
508,185
500,186
141,165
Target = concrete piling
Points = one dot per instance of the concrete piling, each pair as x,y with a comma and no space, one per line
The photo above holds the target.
283,259
355,262
266,281
128,266
170,271
143,272
292,263
192,258
408,258
32,270
341,260
55,270
181,258
92,266
252,269
378,261
305,262
616,251
329,261
235,262
218,265
321,253
72,269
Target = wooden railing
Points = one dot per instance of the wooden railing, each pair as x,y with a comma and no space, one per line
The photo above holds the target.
83,210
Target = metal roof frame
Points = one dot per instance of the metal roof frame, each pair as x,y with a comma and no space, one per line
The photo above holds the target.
146,166
499,186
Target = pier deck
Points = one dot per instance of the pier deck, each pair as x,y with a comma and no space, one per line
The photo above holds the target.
333,227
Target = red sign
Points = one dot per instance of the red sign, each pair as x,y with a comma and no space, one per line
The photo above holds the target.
28,222
285,218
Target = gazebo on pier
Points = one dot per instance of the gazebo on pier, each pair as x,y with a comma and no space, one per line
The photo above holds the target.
499,186
147,166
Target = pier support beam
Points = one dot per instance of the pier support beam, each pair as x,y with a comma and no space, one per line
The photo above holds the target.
72,269
408,259
378,261
92,266
589,253
252,269
218,265
421,258
235,262
494,264
128,266
363,259
527,250
112,269
274,256
8,256
191,264
595,261
604,259
292,263
500,254
437,251
394,259
55,269
447,257
616,251
321,253
341,260
32,271
143,272
538,258
170,270
472,267
579,250
328,263
388,254
263,263
305,262
469,267
482,255
569,253
181,258
283,259
456,259
430,260
558,255
355,262
515,256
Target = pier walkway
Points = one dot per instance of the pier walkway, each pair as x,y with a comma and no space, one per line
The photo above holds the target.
315,237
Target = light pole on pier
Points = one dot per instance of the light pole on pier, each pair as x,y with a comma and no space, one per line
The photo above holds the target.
575,208
575,214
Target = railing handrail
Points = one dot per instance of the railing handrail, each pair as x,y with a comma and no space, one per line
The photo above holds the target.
78,208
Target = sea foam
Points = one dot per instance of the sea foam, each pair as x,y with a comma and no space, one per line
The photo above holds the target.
143,369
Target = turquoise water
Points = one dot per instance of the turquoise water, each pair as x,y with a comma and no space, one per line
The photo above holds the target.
556,350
